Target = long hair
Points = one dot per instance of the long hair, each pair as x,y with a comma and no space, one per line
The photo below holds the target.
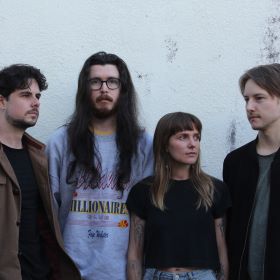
167,126
81,140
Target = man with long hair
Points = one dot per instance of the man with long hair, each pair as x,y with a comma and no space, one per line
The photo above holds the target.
30,240
252,173
94,160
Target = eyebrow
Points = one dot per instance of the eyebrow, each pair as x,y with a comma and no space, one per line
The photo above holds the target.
110,77
255,94
24,91
28,91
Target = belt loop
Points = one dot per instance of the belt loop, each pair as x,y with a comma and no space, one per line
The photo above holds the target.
155,276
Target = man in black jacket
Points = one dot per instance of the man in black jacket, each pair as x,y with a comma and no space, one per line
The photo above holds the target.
252,174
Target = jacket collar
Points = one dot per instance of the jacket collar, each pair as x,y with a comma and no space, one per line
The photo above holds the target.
29,141
252,151
33,145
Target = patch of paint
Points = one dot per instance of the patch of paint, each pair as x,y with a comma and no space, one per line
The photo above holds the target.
141,76
231,139
172,49
271,50
145,79
215,58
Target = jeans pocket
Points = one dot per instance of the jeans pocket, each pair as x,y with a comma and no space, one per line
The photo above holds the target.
207,274
214,275
149,274
211,276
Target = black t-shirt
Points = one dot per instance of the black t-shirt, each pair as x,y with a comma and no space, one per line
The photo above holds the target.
31,255
182,235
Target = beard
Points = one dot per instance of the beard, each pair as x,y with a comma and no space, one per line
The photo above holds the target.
104,113
20,123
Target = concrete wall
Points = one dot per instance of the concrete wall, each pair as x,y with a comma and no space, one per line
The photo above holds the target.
183,55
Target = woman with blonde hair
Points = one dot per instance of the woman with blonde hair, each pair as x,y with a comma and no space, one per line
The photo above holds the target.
176,226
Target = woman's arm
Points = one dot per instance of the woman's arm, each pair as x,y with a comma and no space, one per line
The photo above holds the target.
222,248
135,248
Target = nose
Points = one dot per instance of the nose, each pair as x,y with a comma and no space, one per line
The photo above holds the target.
250,105
104,87
35,102
191,142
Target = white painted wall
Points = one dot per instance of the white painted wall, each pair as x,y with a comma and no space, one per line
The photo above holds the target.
183,55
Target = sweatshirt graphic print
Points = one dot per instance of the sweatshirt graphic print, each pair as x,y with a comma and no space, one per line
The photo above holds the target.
95,221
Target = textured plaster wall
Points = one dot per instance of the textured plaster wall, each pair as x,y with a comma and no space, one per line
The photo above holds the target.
183,56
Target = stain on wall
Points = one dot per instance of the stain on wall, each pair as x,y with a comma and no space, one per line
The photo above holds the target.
172,48
271,50
231,137
145,81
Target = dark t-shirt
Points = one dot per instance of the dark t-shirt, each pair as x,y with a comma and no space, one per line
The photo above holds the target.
31,255
182,235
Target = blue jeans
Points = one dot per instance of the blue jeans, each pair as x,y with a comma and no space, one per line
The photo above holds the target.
202,274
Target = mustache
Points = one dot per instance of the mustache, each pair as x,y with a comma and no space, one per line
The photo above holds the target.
253,115
36,111
104,97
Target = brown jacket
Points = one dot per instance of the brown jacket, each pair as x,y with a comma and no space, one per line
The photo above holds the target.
10,204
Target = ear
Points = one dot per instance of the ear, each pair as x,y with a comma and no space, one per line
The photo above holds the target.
3,102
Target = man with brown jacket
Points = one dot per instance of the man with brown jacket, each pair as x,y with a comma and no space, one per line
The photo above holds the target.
31,246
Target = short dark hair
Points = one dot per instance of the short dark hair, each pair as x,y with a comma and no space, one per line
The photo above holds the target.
265,76
17,76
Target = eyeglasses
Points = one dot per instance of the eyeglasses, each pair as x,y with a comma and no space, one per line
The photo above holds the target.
111,83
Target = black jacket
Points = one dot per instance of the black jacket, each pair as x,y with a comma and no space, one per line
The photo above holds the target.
241,172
